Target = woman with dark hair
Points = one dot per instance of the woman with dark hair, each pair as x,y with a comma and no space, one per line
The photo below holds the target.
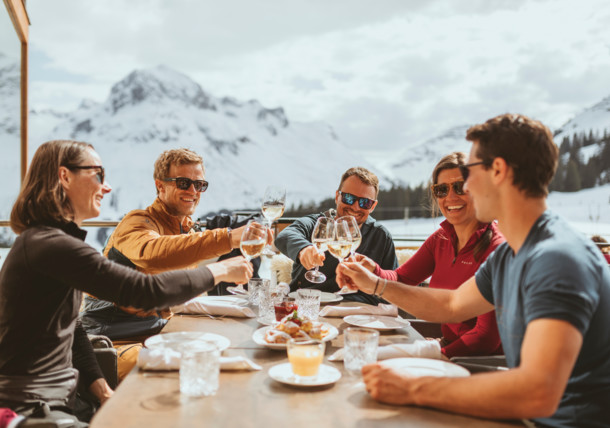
450,256
49,266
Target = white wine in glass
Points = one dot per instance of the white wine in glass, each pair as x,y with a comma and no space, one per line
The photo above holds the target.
340,244
320,236
253,240
354,229
274,203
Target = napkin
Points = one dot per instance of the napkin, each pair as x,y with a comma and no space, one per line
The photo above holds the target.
341,311
418,349
231,306
169,359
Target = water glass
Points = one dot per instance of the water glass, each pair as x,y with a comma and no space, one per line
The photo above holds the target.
268,297
360,348
199,368
254,286
305,357
308,301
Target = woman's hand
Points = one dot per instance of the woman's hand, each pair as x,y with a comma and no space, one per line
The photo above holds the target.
355,276
235,269
368,263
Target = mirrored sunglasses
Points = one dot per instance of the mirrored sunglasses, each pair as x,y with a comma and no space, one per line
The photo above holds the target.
349,199
442,190
184,183
100,174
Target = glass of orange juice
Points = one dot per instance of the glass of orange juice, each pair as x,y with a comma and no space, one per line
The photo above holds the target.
305,357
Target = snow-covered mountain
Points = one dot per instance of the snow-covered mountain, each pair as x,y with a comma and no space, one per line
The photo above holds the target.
595,119
245,146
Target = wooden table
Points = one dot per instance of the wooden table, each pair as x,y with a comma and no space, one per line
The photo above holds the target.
253,399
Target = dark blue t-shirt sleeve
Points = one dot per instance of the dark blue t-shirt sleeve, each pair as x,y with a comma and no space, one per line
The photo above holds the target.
483,278
561,286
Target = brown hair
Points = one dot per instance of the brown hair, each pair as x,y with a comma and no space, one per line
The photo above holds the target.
525,144
366,176
452,161
174,157
42,199
600,241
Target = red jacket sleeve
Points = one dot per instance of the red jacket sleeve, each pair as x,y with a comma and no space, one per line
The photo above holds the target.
482,339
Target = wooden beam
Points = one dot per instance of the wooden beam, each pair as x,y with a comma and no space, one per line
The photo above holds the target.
24,109
19,16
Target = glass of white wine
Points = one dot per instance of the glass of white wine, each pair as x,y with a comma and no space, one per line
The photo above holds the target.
252,242
320,236
354,230
347,238
274,203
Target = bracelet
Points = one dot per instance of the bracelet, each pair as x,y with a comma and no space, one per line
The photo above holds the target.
376,285
385,284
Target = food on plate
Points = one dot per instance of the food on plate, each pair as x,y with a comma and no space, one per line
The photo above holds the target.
296,327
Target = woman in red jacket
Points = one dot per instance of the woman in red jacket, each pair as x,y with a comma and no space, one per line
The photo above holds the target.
450,256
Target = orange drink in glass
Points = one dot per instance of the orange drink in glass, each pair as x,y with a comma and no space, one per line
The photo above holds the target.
305,357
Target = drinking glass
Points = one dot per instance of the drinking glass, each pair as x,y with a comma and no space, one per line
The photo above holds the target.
199,368
254,286
287,306
354,230
308,300
360,348
340,243
274,203
252,242
268,297
320,236
305,357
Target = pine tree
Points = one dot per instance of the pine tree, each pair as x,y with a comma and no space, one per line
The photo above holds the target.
572,181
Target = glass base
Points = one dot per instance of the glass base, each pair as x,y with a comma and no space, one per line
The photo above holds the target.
315,276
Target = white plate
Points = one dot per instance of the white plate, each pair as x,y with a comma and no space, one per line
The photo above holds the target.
175,339
326,297
283,373
376,322
425,367
239,292
346,290
259,337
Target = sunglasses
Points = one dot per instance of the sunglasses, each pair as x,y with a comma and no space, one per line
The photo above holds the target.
184,183
349,199
464,169
100,174
442,190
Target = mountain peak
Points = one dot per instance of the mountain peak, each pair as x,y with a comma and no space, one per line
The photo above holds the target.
158,84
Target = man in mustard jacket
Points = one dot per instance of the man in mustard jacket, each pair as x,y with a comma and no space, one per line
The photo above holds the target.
155,240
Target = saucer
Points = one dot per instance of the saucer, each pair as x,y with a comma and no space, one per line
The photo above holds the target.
283,373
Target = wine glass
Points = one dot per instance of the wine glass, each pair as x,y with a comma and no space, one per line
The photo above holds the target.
252,242
354,230
274,203
320,236
341,245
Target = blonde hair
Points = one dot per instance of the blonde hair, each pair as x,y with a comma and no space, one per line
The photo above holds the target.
175,157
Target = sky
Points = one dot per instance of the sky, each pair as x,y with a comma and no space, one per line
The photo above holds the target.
382,73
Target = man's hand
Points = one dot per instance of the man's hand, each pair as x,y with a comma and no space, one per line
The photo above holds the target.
387,386
310,258
356,276
101,390
235,269
235,234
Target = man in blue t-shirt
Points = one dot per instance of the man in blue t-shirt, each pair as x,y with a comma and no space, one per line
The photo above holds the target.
549,286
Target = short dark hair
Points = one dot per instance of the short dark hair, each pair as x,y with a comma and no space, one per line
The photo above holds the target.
525,144
42,199
366,176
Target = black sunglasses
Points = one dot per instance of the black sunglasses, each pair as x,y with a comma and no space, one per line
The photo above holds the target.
349,199
442,190
184,183
466,172
100,174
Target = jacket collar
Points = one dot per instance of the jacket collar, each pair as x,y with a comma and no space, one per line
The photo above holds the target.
474,238
162,211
